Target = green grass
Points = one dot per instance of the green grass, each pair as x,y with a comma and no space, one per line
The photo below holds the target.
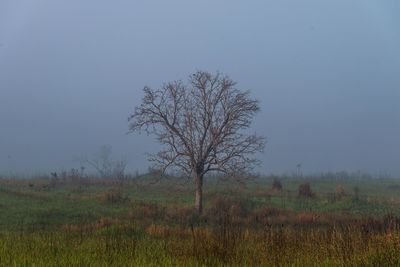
68,224
68,204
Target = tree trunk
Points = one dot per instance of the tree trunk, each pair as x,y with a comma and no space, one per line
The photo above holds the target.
199,193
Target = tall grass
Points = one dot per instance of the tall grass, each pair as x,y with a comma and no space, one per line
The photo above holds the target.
100,223
228,234
116,244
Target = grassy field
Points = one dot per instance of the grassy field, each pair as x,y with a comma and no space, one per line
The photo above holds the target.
99,222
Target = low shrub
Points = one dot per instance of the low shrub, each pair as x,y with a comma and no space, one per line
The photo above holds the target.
276,185
305,191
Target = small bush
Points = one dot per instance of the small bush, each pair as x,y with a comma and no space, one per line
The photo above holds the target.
356,191
276,185
113,197
305,191
339,192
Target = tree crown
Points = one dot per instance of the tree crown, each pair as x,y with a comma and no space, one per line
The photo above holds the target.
200,125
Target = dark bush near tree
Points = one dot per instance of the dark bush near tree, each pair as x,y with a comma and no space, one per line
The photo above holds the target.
305,191
339,192
276,185
356,191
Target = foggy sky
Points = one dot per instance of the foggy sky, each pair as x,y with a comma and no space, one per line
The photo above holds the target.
327,74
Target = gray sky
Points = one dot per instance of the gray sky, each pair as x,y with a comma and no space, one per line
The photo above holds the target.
327,74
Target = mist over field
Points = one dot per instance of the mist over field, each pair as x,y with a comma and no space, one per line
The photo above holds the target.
326,74
199,133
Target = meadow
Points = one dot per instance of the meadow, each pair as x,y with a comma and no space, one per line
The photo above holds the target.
266,221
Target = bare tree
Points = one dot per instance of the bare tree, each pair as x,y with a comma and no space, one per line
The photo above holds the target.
201,127
103,163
